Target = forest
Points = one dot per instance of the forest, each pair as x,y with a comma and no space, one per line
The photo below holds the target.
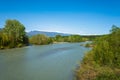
103,61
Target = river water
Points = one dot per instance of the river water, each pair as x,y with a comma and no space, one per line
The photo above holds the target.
45,62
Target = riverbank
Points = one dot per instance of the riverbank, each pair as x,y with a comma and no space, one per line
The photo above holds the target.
7,47
89,70
21,46
103,61
60,42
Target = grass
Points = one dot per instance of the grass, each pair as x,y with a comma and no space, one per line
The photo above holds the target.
90,70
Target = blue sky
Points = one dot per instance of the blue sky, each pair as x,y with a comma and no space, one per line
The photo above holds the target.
67,16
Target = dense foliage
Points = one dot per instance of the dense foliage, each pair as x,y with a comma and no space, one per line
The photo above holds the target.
103,62
13,35
71,38
107,50
40,39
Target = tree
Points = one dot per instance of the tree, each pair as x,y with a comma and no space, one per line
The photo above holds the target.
40,39
114,29
75,38
13,34
58,38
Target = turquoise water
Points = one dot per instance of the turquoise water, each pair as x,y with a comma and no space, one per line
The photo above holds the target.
46,62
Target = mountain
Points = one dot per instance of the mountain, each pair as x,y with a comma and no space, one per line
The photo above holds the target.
50,34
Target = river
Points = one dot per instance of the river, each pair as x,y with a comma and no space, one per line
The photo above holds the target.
45,62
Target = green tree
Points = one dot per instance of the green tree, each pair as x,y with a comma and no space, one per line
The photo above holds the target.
59,38
40,39
13,34
74,38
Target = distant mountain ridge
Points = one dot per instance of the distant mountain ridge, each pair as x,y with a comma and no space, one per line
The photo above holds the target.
50,34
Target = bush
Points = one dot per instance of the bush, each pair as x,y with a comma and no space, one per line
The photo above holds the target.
103,62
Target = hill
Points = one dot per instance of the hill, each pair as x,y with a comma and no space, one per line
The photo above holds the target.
50,34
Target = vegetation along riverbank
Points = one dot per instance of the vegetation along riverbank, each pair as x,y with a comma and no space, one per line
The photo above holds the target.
103,61
14,35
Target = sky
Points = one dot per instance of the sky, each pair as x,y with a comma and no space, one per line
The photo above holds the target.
84,17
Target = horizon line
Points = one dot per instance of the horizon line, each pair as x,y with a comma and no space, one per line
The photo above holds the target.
64,32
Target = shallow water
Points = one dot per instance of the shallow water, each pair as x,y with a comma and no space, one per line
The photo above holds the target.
46,62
